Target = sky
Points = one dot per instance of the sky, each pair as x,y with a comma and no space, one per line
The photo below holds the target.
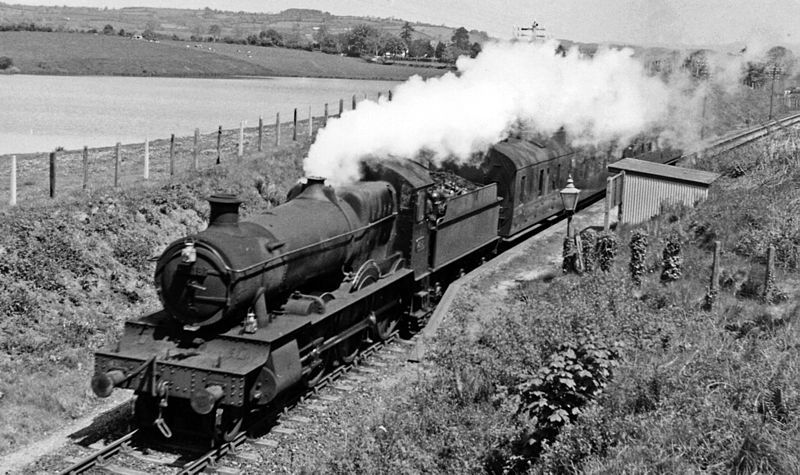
642,22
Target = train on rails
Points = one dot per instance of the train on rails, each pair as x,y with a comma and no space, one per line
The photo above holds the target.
253,309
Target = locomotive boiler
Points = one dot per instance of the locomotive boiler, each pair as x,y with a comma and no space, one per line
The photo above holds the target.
251,308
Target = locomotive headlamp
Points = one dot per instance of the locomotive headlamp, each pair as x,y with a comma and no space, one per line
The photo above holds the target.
188,253
204,400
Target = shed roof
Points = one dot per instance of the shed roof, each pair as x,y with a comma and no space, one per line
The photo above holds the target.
659,170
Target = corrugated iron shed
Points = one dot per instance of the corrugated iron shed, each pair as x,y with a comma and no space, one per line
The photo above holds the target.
663,172
646,186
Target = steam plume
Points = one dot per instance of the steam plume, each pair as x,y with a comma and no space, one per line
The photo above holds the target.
509,85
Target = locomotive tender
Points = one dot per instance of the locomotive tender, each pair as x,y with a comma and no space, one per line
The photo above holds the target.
254,308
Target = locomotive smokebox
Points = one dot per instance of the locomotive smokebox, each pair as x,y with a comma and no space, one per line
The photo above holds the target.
224,210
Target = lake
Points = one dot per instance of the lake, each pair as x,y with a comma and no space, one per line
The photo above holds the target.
40,113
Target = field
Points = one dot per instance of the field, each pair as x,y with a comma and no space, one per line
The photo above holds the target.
690,389
87,54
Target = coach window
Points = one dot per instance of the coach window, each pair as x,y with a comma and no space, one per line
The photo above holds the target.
530,182
541,181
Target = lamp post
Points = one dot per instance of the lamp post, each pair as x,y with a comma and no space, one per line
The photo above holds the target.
569,197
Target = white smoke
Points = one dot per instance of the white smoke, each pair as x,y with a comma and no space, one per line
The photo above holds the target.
597,100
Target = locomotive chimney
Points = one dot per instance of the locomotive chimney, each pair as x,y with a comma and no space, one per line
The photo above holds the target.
224,210
315,180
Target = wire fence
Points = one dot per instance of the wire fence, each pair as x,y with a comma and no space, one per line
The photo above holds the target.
43,175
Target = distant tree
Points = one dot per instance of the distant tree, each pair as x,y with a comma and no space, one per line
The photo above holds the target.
149,34
755,74
108,30
421,48
121,32
253,40
214,30
326,42
451,53
6,62
198,30
440,50
461,39
475,49
296,39
270,37
391,44
780,61
363,39
697,64
405,32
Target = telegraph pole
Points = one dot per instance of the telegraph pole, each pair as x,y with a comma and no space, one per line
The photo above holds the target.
772,89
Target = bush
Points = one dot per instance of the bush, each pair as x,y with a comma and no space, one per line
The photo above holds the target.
607,248
672,259
638,247
6,62
589,249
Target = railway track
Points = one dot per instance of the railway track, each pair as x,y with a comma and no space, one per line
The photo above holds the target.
743,137
208,459
102,457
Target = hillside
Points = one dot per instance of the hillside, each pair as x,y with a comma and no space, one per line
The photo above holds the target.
185,23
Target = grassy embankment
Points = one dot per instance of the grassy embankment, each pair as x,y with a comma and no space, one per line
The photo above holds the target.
691,390
73,269
86,54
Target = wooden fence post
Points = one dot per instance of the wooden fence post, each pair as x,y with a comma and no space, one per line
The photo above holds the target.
609,198
196,149
12,200
277,129
769,276
341,107
85,166
354,102
219,144
325,121
260,132
294,129
241,140
715,267
390,96
620,206
146,158
116,164
52,174
310,123
172,155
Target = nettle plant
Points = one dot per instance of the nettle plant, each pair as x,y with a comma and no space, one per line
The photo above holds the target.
574,375
606,249
638,247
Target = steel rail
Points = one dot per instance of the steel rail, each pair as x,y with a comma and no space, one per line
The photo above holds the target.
100,457
738,139
211,457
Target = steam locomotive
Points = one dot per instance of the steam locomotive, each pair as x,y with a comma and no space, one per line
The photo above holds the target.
253,309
